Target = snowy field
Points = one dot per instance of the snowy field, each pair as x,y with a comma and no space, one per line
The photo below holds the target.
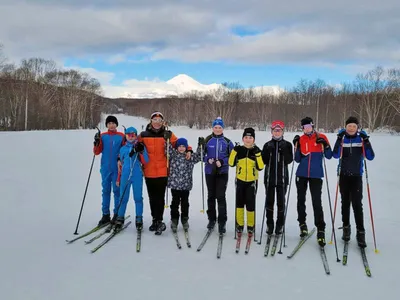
42,179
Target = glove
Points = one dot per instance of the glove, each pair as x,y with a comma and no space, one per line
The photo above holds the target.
97,139
201,142
139,147
236,148
167,134
211,161
296,140
364,135
322,141
256,150
341,133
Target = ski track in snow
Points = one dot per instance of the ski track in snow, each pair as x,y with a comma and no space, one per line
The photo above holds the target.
43,176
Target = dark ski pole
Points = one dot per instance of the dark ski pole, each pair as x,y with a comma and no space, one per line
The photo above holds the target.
87,185
202,177
265,204
329,199
287,203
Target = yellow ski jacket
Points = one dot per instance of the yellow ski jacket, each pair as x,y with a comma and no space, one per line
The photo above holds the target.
248,162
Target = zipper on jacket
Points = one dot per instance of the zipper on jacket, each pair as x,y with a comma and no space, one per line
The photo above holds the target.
216,150
247,168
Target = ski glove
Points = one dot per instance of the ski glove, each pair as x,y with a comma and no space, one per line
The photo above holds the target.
139,147
322,141
201,142
364,135
133,151
256,150
167,134
341,133
296,140
97,139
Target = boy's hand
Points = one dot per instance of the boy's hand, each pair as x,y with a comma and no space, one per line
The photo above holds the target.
97,139
211,161
188,155
218,163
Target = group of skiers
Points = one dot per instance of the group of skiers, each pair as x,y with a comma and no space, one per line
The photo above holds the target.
165,161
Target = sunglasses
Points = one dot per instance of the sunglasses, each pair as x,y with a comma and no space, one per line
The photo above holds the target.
277,130
157,120
131,135
307,126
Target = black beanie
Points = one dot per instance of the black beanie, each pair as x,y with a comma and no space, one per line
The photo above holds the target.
249,132
352,120
306,121
111,119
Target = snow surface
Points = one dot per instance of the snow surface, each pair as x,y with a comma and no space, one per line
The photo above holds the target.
43,176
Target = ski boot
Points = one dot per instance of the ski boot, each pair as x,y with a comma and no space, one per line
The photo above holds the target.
270,229
321,238
222,227
174,225
303,230
278,229
346,233
361,239
139,223
239,229
119,223
210,225
153,226
104,220
114,219
185,223
160,227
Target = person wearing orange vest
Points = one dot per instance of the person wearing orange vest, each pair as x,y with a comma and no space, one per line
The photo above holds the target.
156,170
311,147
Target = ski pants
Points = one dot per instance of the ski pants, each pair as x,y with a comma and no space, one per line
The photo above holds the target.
245,197
156,190
280,202
180,198
316,191
351,190
216,187
109,179
137,187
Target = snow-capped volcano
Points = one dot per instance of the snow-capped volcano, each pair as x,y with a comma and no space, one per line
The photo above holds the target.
176,86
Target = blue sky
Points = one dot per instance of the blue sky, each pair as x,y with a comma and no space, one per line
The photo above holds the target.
127,44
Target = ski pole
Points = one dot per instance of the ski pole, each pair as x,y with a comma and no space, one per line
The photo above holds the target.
330,204
126,184
235,207
87,185
287,204
168,144
265,204
337,186
369,198
255,183
202,177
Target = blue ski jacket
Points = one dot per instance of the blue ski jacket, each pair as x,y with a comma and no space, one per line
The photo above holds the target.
219,148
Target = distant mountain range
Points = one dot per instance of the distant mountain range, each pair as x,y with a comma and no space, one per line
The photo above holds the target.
182,84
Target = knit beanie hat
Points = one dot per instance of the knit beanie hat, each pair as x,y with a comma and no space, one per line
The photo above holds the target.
307,121
131,130
181,142
218,121
111,119
249,132
277,123
352,120
157,114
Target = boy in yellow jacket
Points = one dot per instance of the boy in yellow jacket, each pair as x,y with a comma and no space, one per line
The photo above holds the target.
248,162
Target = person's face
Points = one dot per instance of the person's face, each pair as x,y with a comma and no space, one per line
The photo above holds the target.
112,126
130,137
217,130
351,128
307,129
248,141
156,122
277,132
181,149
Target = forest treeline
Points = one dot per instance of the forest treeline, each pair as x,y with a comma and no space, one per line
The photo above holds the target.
374,97
36,95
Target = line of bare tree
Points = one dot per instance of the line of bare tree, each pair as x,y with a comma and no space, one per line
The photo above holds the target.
37,94
374,97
